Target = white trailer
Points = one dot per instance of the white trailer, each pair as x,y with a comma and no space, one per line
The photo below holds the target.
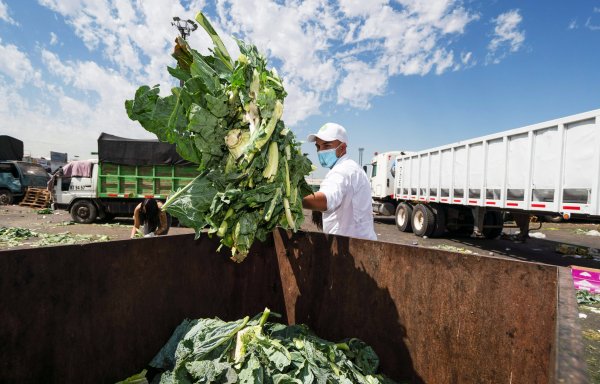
543,169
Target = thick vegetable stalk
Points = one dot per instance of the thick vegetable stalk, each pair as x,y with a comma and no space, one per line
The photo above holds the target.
227,118
271,168
262,135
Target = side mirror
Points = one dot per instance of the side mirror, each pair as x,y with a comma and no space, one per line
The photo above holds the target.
365,168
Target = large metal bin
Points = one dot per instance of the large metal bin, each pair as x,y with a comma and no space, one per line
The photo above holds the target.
97,313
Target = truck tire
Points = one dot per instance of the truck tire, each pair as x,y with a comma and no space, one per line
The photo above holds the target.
423,220
6,197
553,218
440,220
84,212
403,217
492,218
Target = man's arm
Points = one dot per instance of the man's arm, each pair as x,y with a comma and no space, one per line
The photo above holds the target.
315,202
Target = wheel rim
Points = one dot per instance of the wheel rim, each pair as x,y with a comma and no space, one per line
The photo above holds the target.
402,216
418,220
3,199
83,212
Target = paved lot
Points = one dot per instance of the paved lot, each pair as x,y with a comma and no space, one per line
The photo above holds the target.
543,249
535,249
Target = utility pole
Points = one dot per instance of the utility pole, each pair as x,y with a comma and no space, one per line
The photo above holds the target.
185,27
360,153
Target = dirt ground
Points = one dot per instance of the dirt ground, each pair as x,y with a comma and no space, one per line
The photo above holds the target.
543,249
576,242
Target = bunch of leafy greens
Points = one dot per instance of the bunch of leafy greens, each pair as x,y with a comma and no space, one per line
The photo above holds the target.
586,297
16,236
254,351
226,117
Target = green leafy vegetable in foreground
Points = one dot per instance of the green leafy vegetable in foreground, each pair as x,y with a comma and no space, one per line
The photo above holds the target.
586,297
226,117
16,236
254,351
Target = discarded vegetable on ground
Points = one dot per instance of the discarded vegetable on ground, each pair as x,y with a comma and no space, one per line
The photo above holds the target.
226,117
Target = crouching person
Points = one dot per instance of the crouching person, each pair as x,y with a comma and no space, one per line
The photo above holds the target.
154,220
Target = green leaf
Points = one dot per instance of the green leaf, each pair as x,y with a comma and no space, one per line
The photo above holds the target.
219,48
179,73
252,372
201,120
217,106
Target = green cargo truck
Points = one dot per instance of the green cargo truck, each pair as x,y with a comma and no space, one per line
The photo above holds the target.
126,172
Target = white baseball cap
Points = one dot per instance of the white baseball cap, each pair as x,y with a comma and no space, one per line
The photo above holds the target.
330,132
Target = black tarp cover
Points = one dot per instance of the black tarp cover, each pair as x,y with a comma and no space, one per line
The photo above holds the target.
10,148
119,150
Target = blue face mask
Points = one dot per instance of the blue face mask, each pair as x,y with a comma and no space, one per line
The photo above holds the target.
327,157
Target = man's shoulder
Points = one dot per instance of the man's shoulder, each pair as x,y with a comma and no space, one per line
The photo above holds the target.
347,164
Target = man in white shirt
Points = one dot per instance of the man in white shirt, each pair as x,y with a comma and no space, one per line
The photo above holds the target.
345,193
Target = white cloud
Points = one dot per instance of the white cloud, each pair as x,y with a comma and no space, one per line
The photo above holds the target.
507,36
71,112
591,25
347,51
4,14
328,52
16,66
361,84
466,59
134,36
354,8
572,24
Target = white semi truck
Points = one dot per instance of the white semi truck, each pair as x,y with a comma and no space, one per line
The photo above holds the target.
383,171
546,169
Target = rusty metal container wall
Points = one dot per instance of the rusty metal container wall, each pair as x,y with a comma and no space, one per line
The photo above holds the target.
99,312
434,316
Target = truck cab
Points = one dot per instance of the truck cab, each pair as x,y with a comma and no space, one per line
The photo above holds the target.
74,189
75,186
17,176
383,171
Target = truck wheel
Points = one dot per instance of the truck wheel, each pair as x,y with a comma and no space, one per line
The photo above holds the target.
492,218
553,218
6,197
403,217
423,220
84,212
440,220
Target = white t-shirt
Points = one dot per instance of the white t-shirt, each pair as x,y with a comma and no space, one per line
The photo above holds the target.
349,210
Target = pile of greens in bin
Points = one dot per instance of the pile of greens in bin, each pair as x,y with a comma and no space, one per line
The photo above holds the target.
254,351
226,117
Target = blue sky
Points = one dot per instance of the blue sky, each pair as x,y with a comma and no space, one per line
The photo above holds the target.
407,74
